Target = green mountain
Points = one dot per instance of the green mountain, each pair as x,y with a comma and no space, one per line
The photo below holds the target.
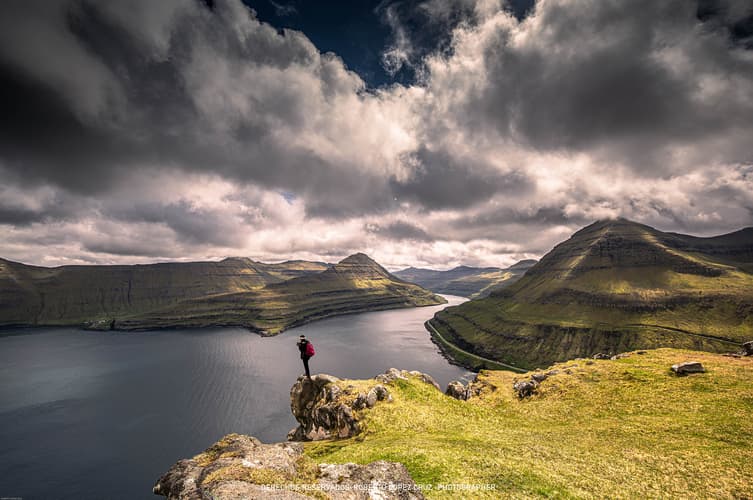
614,286
471,282
232,292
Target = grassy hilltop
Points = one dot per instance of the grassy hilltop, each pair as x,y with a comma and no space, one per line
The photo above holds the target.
626,428
232,292
471,282
614,286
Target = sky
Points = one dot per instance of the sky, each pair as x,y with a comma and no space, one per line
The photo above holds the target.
428,133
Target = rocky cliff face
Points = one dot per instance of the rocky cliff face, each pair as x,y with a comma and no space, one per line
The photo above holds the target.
267,298
326,407
241,467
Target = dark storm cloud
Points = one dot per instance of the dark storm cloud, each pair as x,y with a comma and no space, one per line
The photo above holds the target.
168,129
626,80
441,180
400,230
190,223
202,97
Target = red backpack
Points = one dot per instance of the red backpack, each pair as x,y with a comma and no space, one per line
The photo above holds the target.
310,349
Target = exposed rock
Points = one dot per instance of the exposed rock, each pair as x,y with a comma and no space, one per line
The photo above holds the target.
385,480
391,375
325,411
539,377
601,355
457,390
688,367
525,388
371,398
319,410
426,378
240,467
382,393
748,348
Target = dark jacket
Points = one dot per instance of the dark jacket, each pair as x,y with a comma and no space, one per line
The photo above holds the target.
302,347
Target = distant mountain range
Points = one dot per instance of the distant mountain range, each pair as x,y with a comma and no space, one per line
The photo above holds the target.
233,292
614,286
471,282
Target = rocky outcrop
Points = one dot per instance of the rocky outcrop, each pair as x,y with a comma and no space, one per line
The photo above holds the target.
239,467
319,406
688,367
527,388
329,408
457,390
325,410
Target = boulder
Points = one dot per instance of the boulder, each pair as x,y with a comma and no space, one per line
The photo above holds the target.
325,411
391,375
748,348
525,388
371,398
240,466
539,377
601,355
457,390
382,393
425,377
688,367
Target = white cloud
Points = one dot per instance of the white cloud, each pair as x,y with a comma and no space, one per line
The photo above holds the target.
187,134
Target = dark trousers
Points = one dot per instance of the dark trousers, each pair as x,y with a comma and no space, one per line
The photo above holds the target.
306,365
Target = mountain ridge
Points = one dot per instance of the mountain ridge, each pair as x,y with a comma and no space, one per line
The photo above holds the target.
267,298
466,281
614,285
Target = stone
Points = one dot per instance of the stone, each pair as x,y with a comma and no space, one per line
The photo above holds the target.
601,355
748,348
360,402
371,398
333,392
688,367
226,471
457,390
381,392
539,377
525,388
324,411
391,375
425,377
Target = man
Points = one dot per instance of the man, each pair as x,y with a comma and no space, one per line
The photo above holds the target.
306,352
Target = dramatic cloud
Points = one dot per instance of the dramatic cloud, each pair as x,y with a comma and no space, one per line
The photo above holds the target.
141,131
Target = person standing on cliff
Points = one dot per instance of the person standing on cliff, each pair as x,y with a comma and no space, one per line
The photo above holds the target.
307,351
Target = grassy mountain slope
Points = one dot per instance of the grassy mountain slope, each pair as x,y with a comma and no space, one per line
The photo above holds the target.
235,291
598,429
472,282
615,286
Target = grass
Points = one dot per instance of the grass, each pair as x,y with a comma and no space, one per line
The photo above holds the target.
609,429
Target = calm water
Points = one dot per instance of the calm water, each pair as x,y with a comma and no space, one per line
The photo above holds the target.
102,414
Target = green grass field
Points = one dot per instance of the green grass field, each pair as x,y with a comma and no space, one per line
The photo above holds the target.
627,428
